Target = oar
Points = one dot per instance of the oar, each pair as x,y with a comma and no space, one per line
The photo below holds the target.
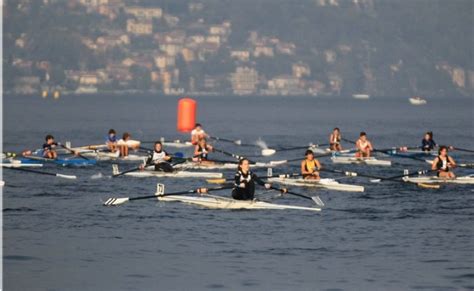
72,177
315,199
116,173
300,159
420,172
237,142
223,180
119,201
73,151
231,155
375,179
470,165
268,151
463,150
462,165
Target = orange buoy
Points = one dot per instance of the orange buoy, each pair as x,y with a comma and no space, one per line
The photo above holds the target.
186,114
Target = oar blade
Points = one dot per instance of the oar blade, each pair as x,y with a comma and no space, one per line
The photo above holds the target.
238,142
115,201
268,152
428,186
280,162
216,181
318,201
70,177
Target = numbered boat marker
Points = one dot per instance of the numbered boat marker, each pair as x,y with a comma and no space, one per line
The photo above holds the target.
160,189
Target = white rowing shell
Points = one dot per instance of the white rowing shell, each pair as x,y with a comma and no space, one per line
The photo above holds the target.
216,202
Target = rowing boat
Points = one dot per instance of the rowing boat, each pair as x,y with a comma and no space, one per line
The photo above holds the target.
59,161
149,171
434,179
410,153
109,156
177,174
417,100
218,202
329,184
353,160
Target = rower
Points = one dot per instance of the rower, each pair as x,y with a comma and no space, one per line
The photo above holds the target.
310,166
335,140
443,164
244,182
428,144
160,159
363,146
197,134
201,151
49,147
125,142
111,141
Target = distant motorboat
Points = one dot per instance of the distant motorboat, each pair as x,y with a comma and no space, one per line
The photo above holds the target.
417,100
86,90
361,96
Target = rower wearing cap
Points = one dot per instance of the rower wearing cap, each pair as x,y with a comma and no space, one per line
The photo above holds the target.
363,146
443,164
49,148
160,159
428,144
197,134
310,166
201,151
244,182
335,140
111,141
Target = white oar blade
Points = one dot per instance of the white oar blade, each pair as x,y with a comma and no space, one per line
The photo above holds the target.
318,201
268,152
115,201
281,162
71,177
238,142
375,180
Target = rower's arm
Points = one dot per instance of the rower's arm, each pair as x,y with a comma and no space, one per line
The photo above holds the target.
237,180
258,180
452,162
318,164
370,146
433,165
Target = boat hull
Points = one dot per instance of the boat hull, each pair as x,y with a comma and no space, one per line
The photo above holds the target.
216,202
436,180
63,162
329,184
178,174
365,161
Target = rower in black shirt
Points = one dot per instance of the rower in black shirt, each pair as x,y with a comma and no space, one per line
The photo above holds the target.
160,159
428,144
49,148
244,182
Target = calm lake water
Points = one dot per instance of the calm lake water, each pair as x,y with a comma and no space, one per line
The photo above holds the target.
394,236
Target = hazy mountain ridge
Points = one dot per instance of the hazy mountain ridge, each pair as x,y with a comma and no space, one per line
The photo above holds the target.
324,47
